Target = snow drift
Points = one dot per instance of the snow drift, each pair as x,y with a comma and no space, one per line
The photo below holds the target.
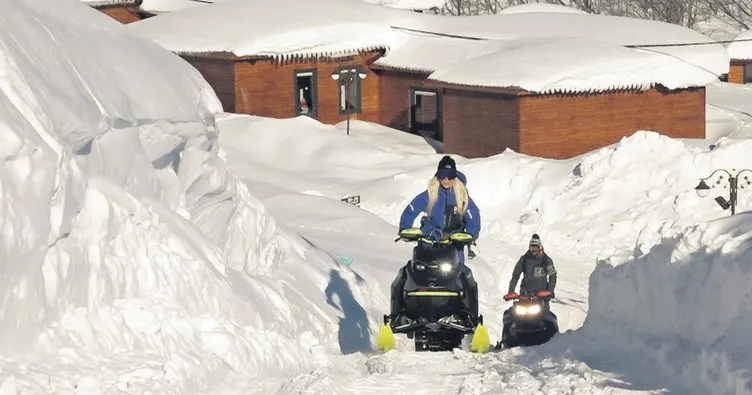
125,244
691,296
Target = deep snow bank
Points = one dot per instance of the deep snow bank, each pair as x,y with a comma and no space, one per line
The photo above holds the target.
602,202
118,221
692,295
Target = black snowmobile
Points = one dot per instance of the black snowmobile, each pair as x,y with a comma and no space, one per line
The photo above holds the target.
434,305
530,322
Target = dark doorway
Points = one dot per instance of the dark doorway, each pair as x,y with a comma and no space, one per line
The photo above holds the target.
306,93
424,113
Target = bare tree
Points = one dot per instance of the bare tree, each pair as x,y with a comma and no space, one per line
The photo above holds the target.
680,12
688,13
738,12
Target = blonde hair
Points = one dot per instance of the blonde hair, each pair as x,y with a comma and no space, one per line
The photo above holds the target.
460,194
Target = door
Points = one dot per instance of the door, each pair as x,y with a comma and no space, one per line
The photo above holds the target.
424,113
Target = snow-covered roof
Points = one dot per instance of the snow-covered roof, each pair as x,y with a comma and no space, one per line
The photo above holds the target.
545,65
425,53
103,3
163,6
267,28
540,7
408,4
741,50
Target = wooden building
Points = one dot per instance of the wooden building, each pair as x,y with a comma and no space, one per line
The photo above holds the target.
304,86
403,85
482,122
472,121
740,52
123,11
478,106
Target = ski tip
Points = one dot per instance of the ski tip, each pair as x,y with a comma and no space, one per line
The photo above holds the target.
385,340
481,342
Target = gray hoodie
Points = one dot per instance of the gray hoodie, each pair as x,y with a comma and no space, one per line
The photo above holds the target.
540,274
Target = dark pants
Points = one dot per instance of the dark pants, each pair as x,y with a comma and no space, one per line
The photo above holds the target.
468,282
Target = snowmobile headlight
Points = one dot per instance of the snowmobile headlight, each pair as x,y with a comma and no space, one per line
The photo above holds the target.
420,266
527,310
445,267
535,309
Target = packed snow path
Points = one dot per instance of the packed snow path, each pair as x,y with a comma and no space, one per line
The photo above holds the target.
567,365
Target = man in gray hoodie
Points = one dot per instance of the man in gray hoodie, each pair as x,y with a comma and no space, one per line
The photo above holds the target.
539,280
539,270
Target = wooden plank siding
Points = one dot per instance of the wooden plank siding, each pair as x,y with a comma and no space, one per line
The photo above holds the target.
267,88
123,13
394,97
474,122
736,71
563,126
478,124
220,74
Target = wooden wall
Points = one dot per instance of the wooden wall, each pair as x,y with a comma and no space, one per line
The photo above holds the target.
266,88
563,126
220,74
477,124
736,72
394,97
123,13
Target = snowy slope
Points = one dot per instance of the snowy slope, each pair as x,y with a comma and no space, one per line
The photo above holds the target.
130,258
66,117
608,204
691,295
133,258
729,111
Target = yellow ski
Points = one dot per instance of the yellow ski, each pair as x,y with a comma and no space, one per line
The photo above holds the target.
385,340
481,342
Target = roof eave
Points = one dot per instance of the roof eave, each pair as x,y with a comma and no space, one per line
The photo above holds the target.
518,91
401,69
230,56
121,4
509,90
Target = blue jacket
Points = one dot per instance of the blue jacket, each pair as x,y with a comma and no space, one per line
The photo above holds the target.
435,220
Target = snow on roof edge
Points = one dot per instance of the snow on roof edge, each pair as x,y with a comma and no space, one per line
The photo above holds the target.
404,69
740,50
288,56
513,89
110,3
603,67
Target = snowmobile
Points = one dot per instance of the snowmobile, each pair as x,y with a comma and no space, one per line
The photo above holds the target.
530,322
434,298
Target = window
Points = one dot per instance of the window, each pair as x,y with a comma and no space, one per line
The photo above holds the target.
305,96
349,88
424,113
747,73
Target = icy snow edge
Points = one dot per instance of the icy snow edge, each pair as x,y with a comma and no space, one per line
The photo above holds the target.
568,65
692,294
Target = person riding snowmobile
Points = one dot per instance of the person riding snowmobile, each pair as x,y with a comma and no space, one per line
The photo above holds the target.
448,209
539,280
539,272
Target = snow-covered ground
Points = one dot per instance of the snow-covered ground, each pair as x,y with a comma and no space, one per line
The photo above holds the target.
728,110
148,245
610,204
